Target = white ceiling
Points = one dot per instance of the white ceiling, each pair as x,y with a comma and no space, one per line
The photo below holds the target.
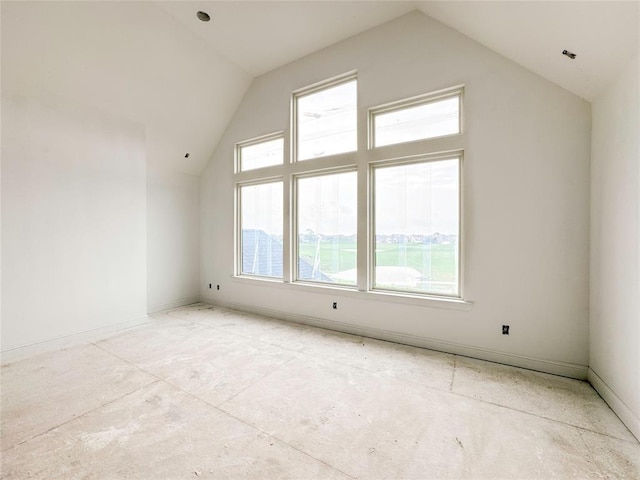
262,35
603,34
158,65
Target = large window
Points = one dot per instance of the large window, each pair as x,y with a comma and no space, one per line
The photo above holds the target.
327,228
416,227
325,214
261,229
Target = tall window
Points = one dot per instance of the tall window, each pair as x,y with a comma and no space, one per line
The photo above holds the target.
327,228
417,226
261,229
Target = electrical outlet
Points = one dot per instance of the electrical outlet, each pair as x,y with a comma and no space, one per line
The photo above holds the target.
335,305
209,285
505,329
217,287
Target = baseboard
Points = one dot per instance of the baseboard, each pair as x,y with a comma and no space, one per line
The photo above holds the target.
19,353
624,413
546,366
174,304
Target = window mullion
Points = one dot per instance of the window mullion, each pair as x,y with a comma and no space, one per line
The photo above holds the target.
287,227
364,227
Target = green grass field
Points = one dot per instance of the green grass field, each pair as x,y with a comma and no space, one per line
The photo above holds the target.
436,262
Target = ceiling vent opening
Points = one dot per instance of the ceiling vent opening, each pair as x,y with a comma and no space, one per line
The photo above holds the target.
203,16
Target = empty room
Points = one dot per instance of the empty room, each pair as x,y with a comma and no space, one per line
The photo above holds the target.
320,240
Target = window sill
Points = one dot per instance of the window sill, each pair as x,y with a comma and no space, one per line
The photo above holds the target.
352,292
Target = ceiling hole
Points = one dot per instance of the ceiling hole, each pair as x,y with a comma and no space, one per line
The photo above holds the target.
204,16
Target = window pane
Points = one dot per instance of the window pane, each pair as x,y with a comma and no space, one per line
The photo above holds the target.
326,121
430,120
417,227
263,154
261,229
327,226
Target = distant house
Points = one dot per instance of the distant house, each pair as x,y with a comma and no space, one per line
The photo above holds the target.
262,255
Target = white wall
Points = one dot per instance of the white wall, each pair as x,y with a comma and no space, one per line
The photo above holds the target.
131,59
173,231
73,220
615,247
526,200
101,100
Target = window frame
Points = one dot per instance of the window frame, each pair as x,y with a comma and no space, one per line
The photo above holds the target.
413,160
238,259
363,161
309,90
417,101
295,231
256,141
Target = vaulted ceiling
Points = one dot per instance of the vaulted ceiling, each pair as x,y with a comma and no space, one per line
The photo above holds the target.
156,64
260,36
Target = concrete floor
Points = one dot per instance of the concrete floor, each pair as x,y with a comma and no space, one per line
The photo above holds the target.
212,393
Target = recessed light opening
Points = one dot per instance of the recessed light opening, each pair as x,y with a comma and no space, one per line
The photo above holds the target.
204,16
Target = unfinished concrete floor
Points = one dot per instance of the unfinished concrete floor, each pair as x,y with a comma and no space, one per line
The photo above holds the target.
204,392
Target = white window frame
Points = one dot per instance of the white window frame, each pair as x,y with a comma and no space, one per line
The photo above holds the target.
419,100
256,141
295,231
413,160
311,89
238,229
364,160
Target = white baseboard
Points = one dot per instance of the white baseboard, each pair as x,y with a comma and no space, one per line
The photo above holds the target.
624,413
547,366
19,353
174,304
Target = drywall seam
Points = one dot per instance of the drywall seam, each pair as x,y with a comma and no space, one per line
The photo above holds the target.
174,304
547,366
58,343
616,404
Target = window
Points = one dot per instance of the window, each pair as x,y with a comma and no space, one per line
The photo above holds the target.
325,119
261,225
260,152
416,227
366,220
428,116
327,228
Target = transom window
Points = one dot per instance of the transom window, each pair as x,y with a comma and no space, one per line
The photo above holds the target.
260,152
358,220
326,119
427,116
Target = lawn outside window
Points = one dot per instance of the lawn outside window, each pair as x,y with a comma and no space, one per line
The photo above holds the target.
416,226
327,227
